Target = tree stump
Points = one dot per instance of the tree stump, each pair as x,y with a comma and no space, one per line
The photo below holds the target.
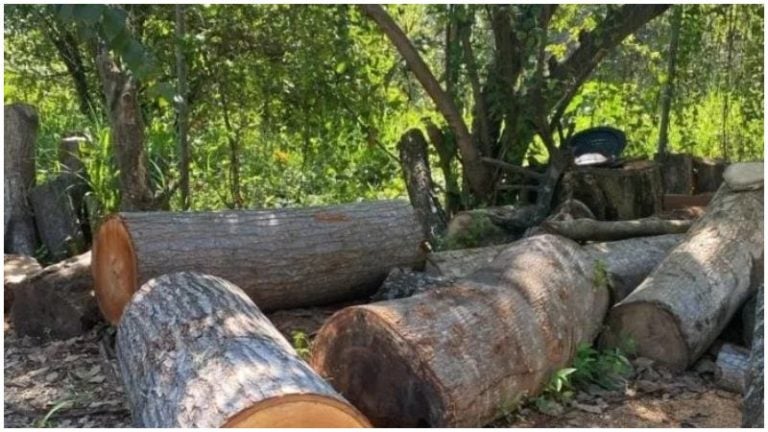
452,356
691,296
56,217
633,191
707,175
284,258
57,302
16,268
195,351
21,124
677,174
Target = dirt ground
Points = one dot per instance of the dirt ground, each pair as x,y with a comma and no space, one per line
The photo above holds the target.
74,383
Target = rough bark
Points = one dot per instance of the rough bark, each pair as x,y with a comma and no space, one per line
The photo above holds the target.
677,173
283,258
57,302
753,406
195,351
452,356
732,368
56,216
16,268
687,301
707,175
414,161
592,230
182,110
21,125
669,85
631,192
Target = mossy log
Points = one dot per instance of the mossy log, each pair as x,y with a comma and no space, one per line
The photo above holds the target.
691,296
285,258
195,351
453,356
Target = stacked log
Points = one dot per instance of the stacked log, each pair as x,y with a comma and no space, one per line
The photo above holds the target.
195,351
753,406
16,268
453,355
285,258
592,230
21,124
687,301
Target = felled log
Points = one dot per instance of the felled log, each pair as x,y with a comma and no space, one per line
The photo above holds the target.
16,268
487,226
195,351
686,302
56,217
56,302
745,176
284,258
631,192
732,368
677,173
626,262
753,406
451,356
21,124
707,175
592,230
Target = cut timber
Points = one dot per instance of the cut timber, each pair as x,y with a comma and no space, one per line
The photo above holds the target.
707,175
57,302
744,176
195,351
732,368
21,124
452,356
56,216
631,192
16,268
592,230
284,258
626,262
686,302
677,172
753,406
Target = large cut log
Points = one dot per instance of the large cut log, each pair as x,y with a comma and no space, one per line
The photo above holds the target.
451,356
707,175
283,258
631,192
16,268
21,124
687,301
677,172
57,302
195,351
732,368
626,262
745,176
56,216
592,230
753,407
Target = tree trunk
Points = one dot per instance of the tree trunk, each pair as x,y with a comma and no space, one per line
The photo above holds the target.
669,85
631,192
677,173
21,124
691,296
414,160
283,259
212,359
16,268
181,107
56,217
452,356
707,175
57,302
592,230
732,368
753,407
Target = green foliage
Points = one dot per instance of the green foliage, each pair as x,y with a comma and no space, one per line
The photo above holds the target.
479,228
301,344
600,276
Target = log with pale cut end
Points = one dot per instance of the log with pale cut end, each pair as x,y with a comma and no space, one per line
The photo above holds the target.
732,368
16,268
56,302
452,356
282,259
592,230
690,297
744,176
20,134
195,351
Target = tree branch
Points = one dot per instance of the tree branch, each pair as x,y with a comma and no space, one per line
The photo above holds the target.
513,168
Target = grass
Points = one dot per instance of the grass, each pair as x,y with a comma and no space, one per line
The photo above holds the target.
301,344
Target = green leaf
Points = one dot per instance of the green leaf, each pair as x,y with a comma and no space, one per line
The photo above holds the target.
90,14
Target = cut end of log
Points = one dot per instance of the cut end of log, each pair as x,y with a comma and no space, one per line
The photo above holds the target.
647,330
114,267
299,411
364,360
